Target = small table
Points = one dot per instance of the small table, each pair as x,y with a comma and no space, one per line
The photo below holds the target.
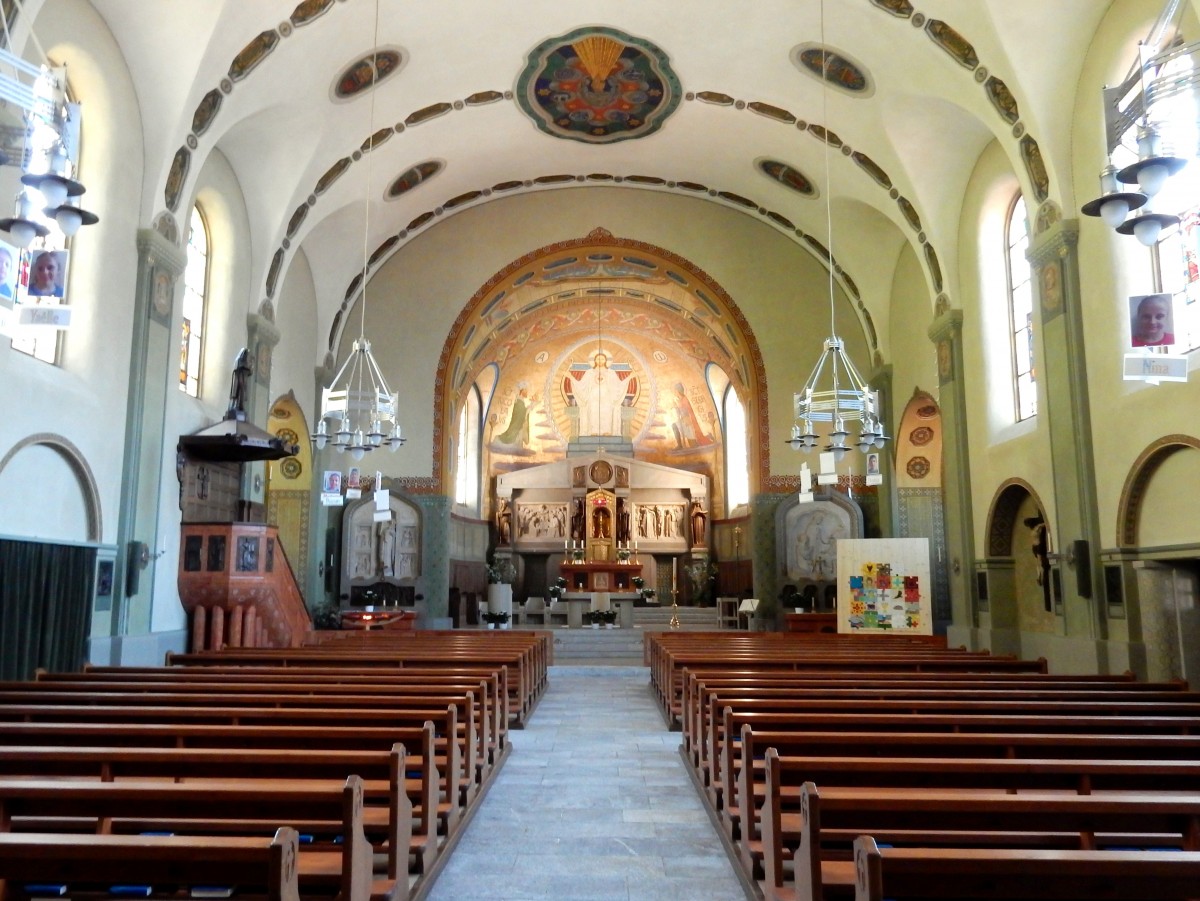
727,613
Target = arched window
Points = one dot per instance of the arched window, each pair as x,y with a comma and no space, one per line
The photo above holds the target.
1020,310
737,451
466,475
195,295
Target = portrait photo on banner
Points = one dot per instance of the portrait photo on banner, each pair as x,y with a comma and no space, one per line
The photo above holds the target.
43,273
1151,320
10,259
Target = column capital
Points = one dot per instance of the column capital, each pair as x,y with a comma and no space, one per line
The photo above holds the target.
155,250
947,325
1055,243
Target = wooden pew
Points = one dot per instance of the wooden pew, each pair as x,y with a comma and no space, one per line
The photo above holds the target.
473,719
704,692
784,814
526,659
966,874
318,679
279,721
47,806
735,776
703,730
392,780
423,783
265,864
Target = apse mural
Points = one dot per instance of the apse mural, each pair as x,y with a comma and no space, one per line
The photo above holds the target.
617,387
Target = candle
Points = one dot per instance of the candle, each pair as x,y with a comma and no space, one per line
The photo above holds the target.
674,572
564,544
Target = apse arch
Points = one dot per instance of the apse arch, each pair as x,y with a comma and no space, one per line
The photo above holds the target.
622,290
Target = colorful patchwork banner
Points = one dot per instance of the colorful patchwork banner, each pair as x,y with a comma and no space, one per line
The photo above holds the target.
884,585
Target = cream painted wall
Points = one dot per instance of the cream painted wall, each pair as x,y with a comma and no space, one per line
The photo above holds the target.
83,398
301,339
914,367
1000,448
780,288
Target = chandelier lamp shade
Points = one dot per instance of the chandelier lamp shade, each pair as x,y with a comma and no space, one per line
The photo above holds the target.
360,407
1113,204
846,398
21,227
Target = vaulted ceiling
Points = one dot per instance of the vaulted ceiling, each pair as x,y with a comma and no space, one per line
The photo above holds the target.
472,100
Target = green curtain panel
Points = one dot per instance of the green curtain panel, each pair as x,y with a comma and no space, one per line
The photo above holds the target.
45,602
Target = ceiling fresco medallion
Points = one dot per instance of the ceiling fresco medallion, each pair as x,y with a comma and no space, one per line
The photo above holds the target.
598,85
787,176
833,67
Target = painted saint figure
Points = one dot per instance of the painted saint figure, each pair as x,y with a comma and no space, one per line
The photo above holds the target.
518,421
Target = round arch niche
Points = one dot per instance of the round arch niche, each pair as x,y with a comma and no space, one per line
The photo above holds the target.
1137,484
540,321
85,481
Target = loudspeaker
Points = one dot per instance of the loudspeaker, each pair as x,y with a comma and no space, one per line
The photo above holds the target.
1083,568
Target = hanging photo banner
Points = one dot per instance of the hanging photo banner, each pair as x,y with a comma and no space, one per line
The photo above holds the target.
1155,368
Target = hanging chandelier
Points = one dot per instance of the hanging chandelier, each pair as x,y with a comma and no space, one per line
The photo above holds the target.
846,399
51,139
359,403
834,392
1159,92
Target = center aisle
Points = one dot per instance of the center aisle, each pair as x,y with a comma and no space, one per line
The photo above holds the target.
593,803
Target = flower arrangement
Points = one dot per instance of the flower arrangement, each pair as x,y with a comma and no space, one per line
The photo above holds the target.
556,590
494,618
596,617
648,593
500,572
638,582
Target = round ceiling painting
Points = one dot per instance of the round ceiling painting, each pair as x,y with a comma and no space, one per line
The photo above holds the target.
598,85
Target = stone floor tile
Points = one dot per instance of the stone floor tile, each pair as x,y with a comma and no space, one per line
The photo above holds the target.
593,803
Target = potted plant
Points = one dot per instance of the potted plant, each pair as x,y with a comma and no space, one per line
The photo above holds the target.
556,590
494,619
500,574
597,618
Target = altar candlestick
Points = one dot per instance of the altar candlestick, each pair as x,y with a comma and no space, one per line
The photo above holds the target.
674,572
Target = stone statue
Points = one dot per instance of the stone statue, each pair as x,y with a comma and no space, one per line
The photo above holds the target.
504,520
387,548
698,518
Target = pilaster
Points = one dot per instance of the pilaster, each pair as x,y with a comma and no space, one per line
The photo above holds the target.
1066,412
946,333
153,372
